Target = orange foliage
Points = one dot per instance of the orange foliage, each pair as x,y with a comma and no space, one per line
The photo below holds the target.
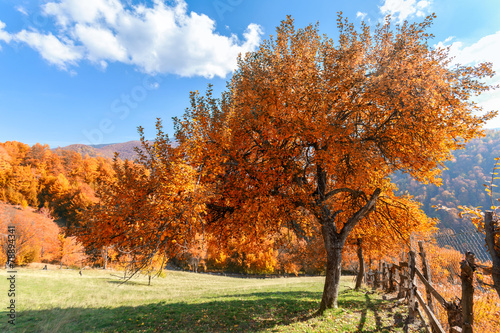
70,252
445,270
245,255
146,209
38,238
387,231
38,177
307,124
303,143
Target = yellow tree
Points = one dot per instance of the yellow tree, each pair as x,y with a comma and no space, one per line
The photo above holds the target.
315,125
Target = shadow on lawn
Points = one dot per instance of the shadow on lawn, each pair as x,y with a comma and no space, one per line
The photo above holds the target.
379,308
232,313
239,313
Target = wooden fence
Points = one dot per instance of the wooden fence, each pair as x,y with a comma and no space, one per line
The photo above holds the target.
402,278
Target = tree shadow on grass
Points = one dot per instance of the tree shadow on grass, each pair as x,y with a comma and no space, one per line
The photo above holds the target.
130,283
244,312
235,313
382,310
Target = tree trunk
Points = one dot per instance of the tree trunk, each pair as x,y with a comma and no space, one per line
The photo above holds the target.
361,272
334,243
332,280
105,257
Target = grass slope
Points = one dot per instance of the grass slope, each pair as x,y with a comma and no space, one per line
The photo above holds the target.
63,301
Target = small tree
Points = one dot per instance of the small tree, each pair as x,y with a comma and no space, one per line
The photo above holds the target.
146,208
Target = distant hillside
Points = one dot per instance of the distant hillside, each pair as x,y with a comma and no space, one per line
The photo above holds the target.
126,149
462,182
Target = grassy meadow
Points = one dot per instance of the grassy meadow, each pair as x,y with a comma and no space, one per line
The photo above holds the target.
63,301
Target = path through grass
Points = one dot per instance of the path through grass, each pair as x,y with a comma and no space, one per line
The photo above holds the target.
63,301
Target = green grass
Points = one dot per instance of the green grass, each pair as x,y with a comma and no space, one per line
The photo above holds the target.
63,301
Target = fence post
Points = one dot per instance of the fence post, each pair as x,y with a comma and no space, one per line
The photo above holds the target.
489,229
402,279
467,267
369,278
427,275
412,304
384,275
376,280
454,313
391,270
380,274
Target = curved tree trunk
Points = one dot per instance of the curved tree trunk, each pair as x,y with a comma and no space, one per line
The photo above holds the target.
333,245
361,259
332,281
334,242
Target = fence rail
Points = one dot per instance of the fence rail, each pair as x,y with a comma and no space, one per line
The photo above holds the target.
402,278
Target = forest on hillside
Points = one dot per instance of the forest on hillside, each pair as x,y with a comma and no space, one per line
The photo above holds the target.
462,185
62,181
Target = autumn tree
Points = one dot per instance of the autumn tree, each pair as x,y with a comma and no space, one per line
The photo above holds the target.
315,125
36,235
69,251
25,236
147,209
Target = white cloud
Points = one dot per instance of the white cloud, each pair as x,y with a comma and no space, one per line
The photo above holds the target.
5,36
51,48
101,44
68,12
490,101
405,9
484,50
361,15
22,10
161,38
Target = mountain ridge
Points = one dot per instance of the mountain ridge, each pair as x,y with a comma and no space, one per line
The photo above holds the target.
124,149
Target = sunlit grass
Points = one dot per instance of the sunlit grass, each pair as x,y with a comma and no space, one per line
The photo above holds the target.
64,301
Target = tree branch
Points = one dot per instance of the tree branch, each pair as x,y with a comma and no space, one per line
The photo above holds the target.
362,212
343,189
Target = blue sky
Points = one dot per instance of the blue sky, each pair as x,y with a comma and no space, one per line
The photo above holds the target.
74,71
